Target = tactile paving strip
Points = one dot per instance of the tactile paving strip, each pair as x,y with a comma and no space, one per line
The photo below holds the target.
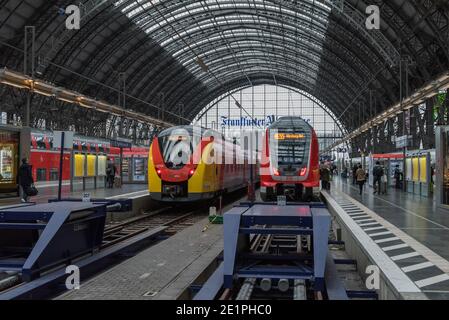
424,273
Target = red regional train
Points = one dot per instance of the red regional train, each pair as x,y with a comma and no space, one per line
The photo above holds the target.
290,161
44,158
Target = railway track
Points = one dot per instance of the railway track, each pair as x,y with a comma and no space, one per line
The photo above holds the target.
175,221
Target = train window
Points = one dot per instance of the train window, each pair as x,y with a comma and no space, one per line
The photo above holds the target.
50,142
41,174
177,146
40,142
290,145
54,176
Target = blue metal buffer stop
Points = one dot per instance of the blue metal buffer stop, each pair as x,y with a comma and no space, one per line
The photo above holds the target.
36,238
242,223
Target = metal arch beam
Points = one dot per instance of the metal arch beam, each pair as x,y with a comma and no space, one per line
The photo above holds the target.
214,29
82,38
310,87
330,99
103,56
376,38
354,17
259,46
443,43
403,31
289,58
88,8
295,70
199,100
189,88
180,9
269,80
298,91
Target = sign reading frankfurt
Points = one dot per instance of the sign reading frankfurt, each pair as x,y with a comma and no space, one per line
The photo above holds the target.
249,122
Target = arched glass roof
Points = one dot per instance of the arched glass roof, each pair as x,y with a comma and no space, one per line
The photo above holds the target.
180,55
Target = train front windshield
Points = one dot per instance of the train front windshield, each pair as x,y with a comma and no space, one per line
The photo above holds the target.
177,146
290,144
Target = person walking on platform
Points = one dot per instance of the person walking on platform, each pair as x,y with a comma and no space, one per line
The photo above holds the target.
361,178
378,172
25,180
354,174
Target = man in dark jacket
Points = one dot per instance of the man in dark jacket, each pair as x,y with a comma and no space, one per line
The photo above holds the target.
325,176
24,179
378,172
110,174
398,177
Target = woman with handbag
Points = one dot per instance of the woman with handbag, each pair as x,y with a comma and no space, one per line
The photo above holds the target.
361,178
25,181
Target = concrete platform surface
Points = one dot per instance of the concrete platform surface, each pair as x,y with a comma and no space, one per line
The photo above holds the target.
47,192
409,229
163,271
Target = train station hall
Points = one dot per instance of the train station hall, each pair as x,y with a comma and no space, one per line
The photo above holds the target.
211,152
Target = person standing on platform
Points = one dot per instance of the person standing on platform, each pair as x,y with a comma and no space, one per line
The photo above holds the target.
398,177
378,172
361,178
354,174
110,174
114,175
384,180
325,175
24,179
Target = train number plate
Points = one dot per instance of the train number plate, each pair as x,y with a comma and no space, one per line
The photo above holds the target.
282,200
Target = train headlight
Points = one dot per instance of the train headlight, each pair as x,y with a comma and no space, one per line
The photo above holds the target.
191,172
159,172
276,172
303,172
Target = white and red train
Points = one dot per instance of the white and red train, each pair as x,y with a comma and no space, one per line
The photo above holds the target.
290,161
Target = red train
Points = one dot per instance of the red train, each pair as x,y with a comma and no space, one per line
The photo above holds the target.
44,158
290,161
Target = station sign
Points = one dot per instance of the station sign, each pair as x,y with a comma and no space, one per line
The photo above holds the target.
402,142
244,121
68,139
121,144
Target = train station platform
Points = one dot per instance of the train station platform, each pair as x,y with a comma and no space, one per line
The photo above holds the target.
50,191
161,272
410,229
